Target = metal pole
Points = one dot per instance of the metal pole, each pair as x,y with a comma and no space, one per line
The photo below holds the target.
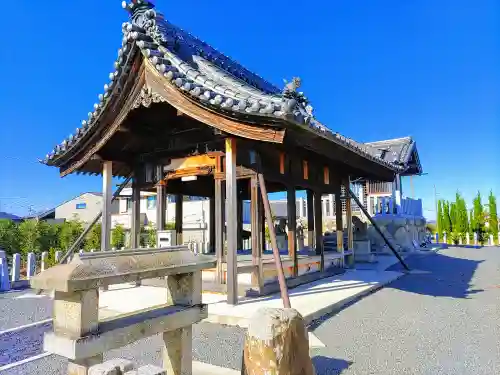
96,219
274,243
353,196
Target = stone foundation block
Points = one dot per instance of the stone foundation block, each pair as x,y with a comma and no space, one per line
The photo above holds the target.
112,367
147,370
277,343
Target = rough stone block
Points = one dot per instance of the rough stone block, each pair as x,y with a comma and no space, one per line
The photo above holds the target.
277,343
112,367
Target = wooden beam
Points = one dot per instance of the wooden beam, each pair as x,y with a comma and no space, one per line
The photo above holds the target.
107,196
310,219
305,169
318,226
282,162
232,225
326,175
179,216
219,229
292,227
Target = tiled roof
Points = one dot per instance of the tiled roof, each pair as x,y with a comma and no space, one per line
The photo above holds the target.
396,151
204,74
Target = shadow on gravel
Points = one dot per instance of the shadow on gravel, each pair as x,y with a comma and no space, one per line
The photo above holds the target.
443,276
329,366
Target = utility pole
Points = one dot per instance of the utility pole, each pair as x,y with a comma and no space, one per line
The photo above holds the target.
436,208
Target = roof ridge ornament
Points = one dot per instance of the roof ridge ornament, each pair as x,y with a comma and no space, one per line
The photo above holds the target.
290,91
141,11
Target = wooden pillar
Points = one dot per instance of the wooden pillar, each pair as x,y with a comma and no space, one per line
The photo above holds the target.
212,226
292,227
179,200
310,219
161,201
239,232
318,226
135,219
107,195
256,233
350,234
339,221
232,226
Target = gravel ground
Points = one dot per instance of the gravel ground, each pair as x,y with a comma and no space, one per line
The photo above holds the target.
212,343
446,321
17,311
441,321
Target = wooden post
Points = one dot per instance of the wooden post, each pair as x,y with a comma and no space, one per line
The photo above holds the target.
135,220
232,225
292,227
310,219
348,208
211,246
183,289
107,195
161,200
339,221
277,259
179,198
256,233
239,231
318,226
219,222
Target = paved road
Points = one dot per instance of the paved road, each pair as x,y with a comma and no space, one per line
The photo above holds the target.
446,321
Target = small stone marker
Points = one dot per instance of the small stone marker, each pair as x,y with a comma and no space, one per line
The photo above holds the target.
277,343
30,272
58,256
4,272
467,238
44,260
16,267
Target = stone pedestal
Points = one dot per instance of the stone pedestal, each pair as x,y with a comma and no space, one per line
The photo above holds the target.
363,252
277,343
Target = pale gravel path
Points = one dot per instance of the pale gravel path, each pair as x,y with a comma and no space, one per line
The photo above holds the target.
443,322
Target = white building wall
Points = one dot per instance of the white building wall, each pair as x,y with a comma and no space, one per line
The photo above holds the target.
84,208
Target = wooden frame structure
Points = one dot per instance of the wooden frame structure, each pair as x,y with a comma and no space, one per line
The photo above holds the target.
187,120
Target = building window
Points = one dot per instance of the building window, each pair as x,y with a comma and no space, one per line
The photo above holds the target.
151,203
129,204
81,206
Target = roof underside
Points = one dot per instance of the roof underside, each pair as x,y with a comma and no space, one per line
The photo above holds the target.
208,78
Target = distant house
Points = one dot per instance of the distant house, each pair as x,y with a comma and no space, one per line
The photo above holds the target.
84,207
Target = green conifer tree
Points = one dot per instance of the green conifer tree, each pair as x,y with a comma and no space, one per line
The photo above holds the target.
439,219
493,218
479,220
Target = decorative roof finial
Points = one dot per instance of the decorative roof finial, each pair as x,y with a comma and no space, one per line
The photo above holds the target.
291,87
139,10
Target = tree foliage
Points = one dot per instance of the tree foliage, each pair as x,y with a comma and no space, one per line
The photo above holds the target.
446,218
69,232
118,237
93,239
29,236
439,218
479,218
492,217
9,237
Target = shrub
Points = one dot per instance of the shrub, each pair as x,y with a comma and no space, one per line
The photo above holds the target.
9,237
118,237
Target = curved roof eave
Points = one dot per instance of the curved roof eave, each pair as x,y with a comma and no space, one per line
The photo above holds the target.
202,78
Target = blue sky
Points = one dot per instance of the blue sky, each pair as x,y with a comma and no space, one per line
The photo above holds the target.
372,70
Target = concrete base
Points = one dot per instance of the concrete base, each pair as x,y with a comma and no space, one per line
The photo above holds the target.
363,252
312,300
